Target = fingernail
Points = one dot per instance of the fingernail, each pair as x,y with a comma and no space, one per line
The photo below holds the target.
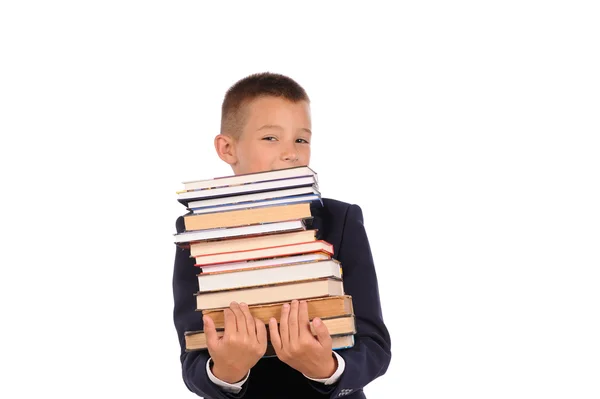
316,321
286,306
243,304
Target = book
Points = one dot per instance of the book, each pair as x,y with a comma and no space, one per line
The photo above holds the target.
224,181
317,307
268,275
257,204
337,326
213,247
253,264
252,241
244,217
265,253
254,198
185,197
241,231
270,293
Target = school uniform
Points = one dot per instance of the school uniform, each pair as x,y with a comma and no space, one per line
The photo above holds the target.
340,224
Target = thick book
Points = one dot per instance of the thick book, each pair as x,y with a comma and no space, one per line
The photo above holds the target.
269,275
247,244
270,293
252,198
264,253
336,326
246,178
242,231
253,264
186,197
317,307
244,217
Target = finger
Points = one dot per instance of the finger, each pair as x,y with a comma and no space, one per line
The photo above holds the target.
293,322
322,333
250,326
230,327
240,319
261,331
303,321
212,339
275,337
283,325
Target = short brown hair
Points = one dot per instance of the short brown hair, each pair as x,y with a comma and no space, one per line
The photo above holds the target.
252,87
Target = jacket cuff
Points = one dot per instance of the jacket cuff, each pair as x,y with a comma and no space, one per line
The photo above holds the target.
225,386
336,376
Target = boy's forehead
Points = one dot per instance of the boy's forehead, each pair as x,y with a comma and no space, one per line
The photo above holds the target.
275,111
264,109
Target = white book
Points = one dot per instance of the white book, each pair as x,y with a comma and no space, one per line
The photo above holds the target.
250,178
254,229
269,275
283,260
266,195
247,188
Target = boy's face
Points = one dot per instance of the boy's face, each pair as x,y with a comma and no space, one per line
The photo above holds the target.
276,135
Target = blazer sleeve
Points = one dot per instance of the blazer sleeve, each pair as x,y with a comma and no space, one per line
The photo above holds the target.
186,318
370,356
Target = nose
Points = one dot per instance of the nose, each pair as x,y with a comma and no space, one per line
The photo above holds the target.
289,154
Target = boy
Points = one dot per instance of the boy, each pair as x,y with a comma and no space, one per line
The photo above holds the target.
266,125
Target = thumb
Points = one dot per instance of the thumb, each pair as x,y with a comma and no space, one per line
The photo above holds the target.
322,333
212,339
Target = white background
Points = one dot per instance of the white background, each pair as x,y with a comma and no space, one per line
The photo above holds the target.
466,131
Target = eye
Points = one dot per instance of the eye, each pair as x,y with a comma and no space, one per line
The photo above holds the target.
269,138
302,141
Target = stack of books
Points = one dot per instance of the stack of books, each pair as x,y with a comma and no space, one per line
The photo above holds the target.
251,238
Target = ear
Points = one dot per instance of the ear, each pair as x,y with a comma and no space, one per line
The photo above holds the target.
225,146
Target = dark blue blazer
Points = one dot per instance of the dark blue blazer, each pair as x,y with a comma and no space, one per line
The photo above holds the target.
340,224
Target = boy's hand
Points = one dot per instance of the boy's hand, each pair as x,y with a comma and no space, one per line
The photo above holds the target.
243,343
296,346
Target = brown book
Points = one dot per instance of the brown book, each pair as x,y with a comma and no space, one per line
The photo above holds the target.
245,217
250,243
341,325
271,293
322,307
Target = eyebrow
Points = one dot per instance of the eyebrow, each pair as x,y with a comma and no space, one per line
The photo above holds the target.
281,128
